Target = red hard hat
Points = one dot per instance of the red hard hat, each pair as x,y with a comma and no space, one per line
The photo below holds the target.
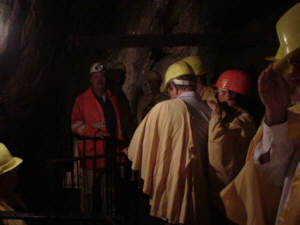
236,81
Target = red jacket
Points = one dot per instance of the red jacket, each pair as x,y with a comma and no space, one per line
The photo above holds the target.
87,119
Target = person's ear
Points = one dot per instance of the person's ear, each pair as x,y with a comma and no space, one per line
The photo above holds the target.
177,91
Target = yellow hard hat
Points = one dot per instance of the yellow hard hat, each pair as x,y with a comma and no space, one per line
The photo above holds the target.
176,70
288,32
289,64
116,73
152,75
119,66
197,64
7,161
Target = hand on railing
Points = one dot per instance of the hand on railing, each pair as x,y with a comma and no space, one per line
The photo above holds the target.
102,134
125,151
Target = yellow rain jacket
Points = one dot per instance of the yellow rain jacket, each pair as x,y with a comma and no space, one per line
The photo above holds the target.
147,102
229,138
250,200
163,149
4,206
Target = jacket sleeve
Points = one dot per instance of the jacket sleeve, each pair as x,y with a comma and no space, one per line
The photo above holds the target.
279,148
228,144
78,124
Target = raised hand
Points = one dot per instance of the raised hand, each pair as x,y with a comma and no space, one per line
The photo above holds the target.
274,94
214,106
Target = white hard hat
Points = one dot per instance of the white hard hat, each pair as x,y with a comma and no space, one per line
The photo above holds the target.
97,67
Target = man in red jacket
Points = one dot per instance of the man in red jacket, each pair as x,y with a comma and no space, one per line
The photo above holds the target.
96,123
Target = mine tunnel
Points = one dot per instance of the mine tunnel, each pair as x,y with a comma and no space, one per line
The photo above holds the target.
47,52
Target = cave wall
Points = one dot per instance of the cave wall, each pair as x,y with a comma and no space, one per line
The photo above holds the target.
43,66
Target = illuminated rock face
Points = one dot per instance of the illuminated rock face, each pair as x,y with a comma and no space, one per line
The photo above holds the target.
46,67
44,63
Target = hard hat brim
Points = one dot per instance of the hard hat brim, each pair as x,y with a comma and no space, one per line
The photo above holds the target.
271,58
13,163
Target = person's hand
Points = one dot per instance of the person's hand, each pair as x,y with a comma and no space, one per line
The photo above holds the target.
125,151
102,134
214,106
274,94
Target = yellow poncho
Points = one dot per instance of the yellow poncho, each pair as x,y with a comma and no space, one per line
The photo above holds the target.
4,206
163,149
147,102
250,200
229,138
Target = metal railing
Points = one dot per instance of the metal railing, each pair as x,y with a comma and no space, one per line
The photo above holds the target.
100,189
98,203
36,219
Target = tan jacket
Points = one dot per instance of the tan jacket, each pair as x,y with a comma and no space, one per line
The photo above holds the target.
171,166
250,200
229,138
147,102
4,206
